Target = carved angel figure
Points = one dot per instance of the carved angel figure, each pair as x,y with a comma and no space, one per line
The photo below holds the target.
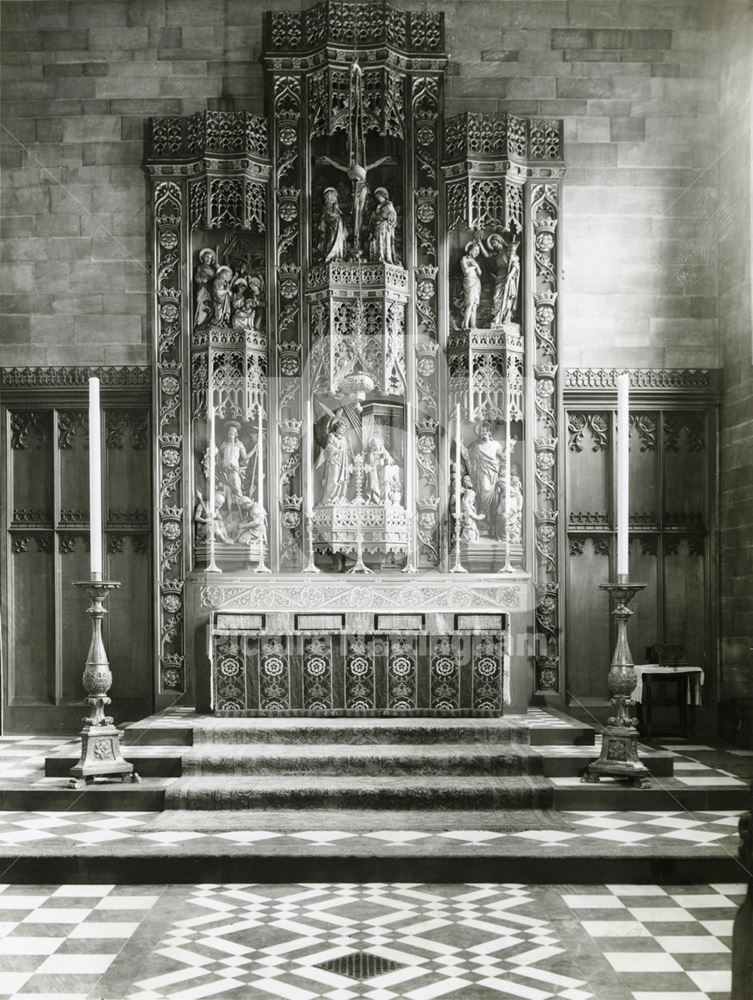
337,460
382,226
333,245
203,277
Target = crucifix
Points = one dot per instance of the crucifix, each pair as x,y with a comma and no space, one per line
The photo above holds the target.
357,169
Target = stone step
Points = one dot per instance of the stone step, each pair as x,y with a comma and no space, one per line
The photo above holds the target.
332,792
361,759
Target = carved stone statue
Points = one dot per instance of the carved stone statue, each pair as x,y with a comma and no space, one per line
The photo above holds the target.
471,272
469,517
357,175
233,460
380,468
515,512
508,294
222,296
337,460
246,302
382,226
202,519
485,459
203,278
333,245
253,526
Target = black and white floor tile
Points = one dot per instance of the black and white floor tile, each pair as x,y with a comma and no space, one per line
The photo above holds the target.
373,941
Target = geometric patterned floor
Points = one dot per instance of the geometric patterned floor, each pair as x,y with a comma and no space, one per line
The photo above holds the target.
627,829
372,941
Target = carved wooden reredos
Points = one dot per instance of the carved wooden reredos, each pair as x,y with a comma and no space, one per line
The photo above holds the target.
356,259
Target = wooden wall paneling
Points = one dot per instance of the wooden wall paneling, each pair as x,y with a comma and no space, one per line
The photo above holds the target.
588,637
589,469
31,671
685,469
30,467
644,628
644,469
684,595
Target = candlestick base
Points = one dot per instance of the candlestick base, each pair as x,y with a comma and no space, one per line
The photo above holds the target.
213,568
458,566
100,739
410,556
619,749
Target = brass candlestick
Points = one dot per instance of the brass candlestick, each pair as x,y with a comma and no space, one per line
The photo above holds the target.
619,749
100,739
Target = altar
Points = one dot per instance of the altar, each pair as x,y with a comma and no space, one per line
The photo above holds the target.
358,393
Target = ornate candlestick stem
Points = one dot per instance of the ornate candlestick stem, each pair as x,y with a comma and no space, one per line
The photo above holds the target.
360,566
458,567
100,739
410,556
619,749
310,566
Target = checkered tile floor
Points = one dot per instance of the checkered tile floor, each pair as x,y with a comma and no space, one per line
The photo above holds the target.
650,830
374,941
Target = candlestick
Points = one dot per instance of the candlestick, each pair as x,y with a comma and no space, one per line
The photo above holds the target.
211,532
100,739
95,481
507,568
261,566
309,458
619,745
410,489
623,472
458,566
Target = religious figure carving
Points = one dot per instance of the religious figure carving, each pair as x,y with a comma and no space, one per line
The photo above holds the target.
246,303
202,519
233,460
203,278
469,517
357,174
515,513
471,272
381,469
337,460
485,459
222,296
506,292
382,228
334,240
252,530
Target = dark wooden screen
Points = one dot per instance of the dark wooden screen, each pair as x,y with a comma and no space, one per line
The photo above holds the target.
46,547
671,551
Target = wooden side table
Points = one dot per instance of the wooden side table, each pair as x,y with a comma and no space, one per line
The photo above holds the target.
688,679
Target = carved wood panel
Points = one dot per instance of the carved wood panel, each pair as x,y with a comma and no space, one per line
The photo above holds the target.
45,547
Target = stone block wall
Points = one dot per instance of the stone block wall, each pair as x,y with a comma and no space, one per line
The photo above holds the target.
735,227
635,82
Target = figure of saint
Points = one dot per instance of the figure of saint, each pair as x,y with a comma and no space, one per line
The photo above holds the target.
253,527
333,245
233,461
485,459
382,226
222,296
515,513
469,516
357,174
471,271
255,301
509,292
377,463
337,460
203,278
203,519
498,258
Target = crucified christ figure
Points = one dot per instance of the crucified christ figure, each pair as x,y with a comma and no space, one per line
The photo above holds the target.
357,174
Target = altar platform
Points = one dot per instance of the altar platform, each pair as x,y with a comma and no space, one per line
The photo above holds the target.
475,800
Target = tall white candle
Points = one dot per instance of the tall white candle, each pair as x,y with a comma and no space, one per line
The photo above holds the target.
309,459
95,481
260,450
409,459
457,466
623,471
508,466
212,480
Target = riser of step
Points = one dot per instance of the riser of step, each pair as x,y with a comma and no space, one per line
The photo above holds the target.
320,792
